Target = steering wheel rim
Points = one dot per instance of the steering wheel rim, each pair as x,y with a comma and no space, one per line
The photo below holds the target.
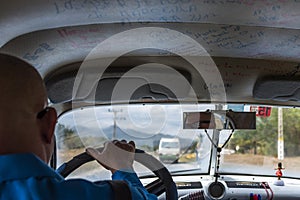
165,182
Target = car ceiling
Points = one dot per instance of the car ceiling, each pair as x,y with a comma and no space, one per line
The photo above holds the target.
247,39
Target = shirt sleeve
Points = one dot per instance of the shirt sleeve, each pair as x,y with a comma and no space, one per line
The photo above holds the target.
136,187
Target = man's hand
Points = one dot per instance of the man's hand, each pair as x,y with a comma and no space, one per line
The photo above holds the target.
116,155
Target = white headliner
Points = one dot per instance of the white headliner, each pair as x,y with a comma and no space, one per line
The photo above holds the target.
252,35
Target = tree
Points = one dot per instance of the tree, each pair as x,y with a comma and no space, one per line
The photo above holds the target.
291,131
262,141
67,138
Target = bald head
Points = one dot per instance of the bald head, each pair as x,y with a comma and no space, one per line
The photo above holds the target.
21,88
22,96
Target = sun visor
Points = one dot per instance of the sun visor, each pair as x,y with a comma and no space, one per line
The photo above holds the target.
278,89
156,85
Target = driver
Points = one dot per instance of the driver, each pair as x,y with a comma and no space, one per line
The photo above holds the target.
27,143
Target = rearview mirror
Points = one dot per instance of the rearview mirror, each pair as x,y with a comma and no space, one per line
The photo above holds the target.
219,119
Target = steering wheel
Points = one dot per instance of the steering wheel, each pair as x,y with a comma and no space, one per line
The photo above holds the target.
164,183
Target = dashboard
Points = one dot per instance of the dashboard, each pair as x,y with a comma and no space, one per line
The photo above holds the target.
235,188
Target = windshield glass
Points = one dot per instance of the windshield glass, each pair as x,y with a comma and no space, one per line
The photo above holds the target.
158,130
259,151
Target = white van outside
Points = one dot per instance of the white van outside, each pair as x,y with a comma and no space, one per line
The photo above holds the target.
169,149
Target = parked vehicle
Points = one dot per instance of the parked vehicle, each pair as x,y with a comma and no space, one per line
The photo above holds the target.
169,149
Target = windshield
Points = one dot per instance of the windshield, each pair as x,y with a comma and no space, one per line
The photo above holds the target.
158,130
274,141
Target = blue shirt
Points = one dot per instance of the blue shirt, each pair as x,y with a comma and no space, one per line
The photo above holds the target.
24,177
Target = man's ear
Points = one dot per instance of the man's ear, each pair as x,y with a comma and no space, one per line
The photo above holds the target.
49,122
